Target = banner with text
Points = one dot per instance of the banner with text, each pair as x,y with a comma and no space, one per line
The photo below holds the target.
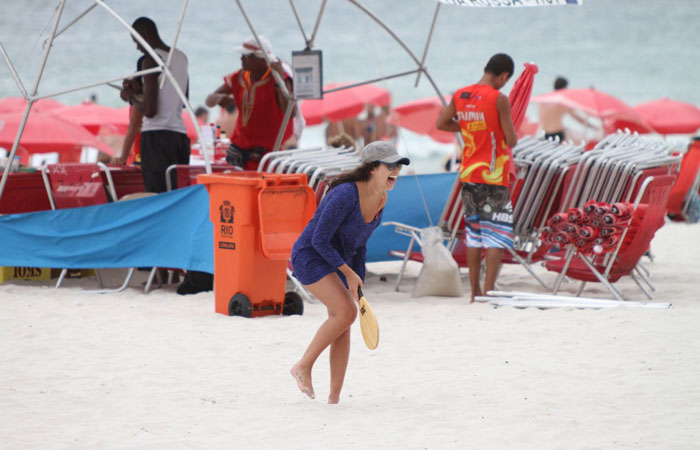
510,3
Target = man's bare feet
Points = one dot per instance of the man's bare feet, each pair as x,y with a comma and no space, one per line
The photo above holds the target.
475,295
303,379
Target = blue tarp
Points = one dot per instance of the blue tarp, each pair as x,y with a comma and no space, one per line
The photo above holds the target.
166,230
173,229
405,205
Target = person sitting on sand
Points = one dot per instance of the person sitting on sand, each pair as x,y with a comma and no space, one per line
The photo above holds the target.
329,256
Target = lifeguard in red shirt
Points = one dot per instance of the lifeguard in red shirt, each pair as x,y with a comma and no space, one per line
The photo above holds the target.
260,102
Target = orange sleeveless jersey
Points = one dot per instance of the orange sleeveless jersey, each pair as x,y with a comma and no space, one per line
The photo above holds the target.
480,125
259,115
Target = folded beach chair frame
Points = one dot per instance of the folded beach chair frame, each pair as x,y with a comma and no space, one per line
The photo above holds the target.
93,180
618,169
543,167
613,266
612,173
187,173
286,161
339,159
451,223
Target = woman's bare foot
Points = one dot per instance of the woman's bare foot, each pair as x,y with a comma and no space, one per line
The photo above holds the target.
333,400
303,379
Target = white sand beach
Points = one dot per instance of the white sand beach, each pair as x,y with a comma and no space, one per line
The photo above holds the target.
162,371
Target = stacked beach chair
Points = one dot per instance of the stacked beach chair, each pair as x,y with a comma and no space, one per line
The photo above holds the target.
554,177
318,163
542,167
623,172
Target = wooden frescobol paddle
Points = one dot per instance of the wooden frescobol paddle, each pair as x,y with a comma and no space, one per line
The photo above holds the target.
368,322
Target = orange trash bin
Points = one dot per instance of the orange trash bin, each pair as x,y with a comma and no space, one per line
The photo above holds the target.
257,218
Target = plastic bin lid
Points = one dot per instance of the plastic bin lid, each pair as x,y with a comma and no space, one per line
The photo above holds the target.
284,212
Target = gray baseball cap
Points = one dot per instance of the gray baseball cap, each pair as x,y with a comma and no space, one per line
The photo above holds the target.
382,151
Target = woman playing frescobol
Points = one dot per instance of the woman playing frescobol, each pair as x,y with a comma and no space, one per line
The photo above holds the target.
329,256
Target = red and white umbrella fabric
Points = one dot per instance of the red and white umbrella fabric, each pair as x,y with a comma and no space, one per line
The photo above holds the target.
668,116
420,116
614,113
343,104
98,119
520,94
44,133
12,104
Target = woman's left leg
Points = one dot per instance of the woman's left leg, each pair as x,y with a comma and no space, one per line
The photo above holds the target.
339,356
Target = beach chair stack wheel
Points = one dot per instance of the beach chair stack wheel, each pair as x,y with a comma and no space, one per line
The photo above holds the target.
293,304
239,305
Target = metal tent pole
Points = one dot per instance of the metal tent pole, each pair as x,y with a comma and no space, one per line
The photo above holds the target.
362,83
80,16
301,27
98,83
30,99
427,43
401,43
13,71
318,22
177,35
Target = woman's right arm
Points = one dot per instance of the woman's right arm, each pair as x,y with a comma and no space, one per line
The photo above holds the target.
337,206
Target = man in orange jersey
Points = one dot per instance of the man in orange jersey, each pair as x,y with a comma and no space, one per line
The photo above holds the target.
481,113
260,102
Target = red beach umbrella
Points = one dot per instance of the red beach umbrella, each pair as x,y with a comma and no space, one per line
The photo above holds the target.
420,116
668,116
614,112
520,94
94,117
45,133
12,104
343,104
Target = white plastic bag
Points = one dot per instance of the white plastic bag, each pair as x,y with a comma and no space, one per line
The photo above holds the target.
440,273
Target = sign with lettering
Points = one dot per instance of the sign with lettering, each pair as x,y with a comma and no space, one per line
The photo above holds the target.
308,74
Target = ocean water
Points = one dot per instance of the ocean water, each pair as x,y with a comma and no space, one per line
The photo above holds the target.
635,50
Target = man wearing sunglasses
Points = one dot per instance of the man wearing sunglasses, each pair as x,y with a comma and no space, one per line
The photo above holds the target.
260,102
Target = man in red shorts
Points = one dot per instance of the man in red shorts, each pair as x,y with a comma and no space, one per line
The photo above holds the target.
481,113
260,102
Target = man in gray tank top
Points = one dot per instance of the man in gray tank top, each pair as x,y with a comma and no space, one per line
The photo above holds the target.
164,138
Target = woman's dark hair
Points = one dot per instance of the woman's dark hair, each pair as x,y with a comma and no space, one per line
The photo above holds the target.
361,173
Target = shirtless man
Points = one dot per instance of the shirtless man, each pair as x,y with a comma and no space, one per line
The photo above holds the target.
552,115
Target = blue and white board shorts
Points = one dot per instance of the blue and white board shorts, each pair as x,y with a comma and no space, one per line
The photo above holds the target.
489,215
